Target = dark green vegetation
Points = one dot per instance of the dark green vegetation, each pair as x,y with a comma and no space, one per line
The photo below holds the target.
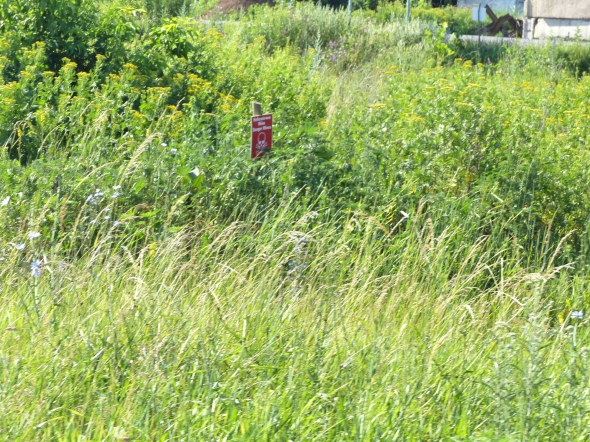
411,263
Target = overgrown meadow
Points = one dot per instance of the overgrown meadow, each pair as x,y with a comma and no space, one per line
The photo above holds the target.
411,262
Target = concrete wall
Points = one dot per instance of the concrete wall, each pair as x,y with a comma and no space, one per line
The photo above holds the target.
566,9
557,18
562,28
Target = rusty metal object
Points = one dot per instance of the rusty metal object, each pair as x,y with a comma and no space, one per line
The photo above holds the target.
497,25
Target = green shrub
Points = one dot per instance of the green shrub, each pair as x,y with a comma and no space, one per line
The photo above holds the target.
67,28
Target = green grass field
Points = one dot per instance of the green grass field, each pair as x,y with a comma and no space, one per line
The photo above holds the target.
411,263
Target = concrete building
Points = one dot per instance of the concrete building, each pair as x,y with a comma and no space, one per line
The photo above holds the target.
557,18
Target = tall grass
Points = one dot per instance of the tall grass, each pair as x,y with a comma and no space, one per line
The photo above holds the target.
303,326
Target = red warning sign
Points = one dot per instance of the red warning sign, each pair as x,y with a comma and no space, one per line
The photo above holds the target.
261,135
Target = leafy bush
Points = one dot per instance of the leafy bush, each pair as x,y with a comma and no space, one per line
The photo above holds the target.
65,27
